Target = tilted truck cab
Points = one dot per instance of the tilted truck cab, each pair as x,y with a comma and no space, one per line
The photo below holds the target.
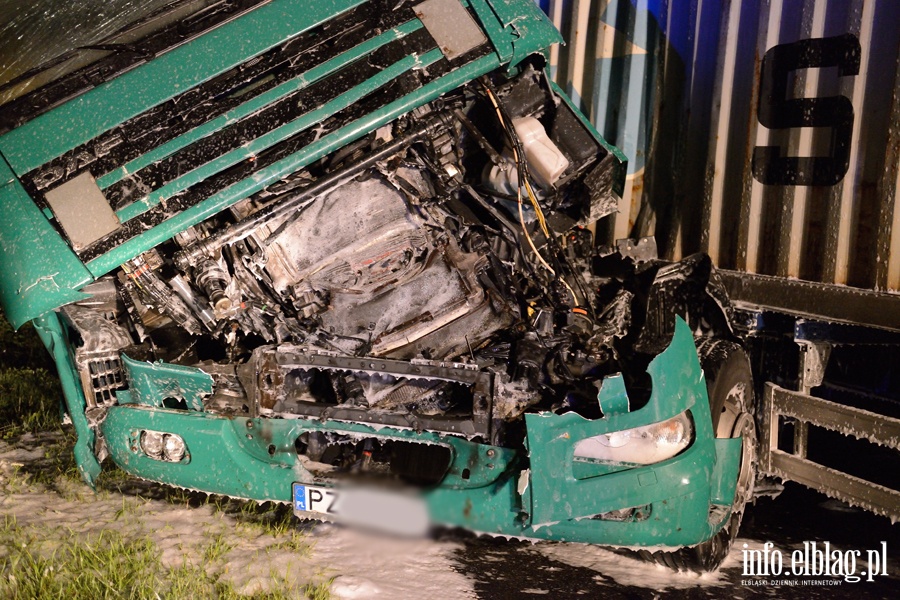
341,255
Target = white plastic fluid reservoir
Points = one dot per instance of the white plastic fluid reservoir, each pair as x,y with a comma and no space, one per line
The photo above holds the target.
545,161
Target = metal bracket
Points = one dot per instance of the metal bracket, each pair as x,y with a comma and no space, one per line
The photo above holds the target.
270,365
813,360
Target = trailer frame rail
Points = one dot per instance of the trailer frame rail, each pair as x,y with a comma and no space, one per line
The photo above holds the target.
807,410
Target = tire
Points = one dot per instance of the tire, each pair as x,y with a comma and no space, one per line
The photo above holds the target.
729,384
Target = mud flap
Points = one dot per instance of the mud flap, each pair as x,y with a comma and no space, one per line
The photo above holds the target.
723,484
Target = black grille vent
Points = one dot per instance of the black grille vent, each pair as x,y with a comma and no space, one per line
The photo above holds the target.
105,377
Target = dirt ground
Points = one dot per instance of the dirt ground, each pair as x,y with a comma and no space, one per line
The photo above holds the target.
228,548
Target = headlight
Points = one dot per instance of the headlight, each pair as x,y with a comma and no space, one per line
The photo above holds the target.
163,446
173,447
152,443
639,446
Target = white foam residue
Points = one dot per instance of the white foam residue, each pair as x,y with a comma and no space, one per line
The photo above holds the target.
376,566
628,571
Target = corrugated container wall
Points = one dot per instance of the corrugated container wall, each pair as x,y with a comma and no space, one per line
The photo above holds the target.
764,133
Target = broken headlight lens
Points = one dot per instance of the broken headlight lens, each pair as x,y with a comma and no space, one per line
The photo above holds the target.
641,445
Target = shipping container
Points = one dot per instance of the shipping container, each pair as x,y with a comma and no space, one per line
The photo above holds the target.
763,133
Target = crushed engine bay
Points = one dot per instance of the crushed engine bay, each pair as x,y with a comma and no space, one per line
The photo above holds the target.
438,274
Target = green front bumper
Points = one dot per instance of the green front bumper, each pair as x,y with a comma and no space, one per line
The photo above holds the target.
487,488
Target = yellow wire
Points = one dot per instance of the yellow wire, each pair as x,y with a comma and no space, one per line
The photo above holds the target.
528,237
537,208
133,276
531,196
571,291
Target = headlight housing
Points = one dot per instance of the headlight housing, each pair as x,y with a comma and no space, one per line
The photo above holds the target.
152,443
173,447
160,445
644,445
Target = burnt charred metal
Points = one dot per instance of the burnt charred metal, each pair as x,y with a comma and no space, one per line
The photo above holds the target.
278,206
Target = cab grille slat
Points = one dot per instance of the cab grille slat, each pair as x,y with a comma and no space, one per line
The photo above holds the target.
173,118
279,113
378,98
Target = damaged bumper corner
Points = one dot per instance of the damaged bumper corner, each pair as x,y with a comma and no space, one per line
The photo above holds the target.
548,494
680,501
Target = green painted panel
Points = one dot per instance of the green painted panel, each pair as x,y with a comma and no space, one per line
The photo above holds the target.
180,69
678,385
676,521
50,330
151,383
612,397
728,460
494,29
38,270
527,27
256,458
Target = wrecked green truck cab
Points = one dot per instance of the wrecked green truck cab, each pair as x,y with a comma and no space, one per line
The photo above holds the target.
346,256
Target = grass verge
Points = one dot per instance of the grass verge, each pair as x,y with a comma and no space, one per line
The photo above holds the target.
30,394
55,563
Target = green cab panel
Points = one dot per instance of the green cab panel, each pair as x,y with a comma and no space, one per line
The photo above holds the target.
678,386
38,271
86,133
486,488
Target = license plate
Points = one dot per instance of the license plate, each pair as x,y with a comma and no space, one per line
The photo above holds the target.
311,498
383,510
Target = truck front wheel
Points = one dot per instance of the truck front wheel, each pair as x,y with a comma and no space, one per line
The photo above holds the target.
729,384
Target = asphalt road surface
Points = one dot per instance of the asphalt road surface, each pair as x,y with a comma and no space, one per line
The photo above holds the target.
515,569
